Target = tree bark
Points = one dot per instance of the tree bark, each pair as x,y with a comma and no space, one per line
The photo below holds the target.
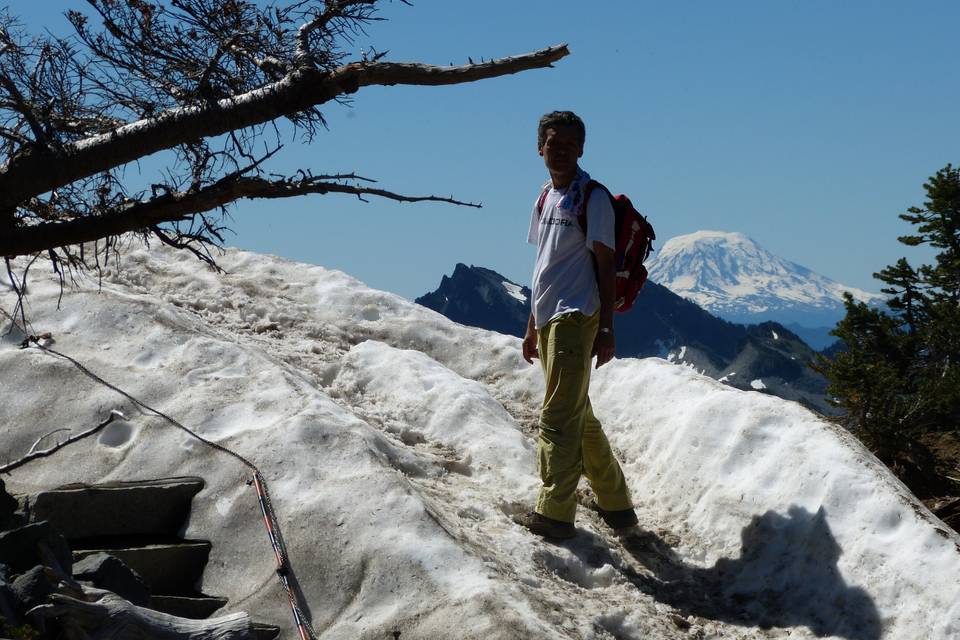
43,169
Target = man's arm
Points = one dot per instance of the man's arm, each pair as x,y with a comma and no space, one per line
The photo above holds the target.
530,341
604,345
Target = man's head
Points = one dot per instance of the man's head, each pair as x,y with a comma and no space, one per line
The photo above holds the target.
560,118
560,139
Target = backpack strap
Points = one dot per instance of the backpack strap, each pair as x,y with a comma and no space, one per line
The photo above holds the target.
587,192
582,216
542,199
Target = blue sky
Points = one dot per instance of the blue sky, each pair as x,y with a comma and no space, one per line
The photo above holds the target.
807,125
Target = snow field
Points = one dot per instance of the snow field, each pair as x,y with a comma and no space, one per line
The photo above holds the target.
360,538
450,411
725,461
397,444
515,291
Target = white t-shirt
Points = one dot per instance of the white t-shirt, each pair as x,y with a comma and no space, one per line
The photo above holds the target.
564,279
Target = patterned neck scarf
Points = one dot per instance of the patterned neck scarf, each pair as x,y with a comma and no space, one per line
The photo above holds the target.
572,199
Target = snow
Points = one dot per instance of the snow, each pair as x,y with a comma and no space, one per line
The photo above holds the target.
514,290
397,444
775,336
757,384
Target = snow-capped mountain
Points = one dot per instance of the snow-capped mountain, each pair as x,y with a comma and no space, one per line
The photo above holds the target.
733,277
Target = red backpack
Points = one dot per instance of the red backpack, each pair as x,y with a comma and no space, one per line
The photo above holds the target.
633,240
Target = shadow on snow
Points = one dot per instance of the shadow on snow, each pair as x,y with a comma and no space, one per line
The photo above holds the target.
786,576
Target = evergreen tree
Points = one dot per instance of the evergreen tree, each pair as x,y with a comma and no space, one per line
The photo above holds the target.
899,376
939,226
906,296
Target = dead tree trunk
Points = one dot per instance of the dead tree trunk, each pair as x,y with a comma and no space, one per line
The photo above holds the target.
110,617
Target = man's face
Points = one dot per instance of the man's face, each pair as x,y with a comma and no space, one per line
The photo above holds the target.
561,149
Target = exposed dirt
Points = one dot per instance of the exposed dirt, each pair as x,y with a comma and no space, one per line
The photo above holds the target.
944,497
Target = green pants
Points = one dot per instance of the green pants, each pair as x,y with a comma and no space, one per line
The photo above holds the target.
571,439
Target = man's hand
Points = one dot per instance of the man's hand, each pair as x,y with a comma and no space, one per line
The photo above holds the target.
603,347
530,346
530,341
604,343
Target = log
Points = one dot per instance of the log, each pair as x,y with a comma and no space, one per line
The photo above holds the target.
103,615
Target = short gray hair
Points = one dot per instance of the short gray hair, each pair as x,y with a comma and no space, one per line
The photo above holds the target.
554,118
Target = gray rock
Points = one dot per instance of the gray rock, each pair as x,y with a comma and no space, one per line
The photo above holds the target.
20,547
154,507
111,573
170,568
8,508
8,604
31,589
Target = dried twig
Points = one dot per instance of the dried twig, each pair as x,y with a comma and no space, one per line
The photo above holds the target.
46,435
10,466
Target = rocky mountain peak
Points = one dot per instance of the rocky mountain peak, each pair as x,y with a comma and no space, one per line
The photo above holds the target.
481,297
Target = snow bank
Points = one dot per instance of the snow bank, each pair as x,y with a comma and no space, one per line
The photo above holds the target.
397,444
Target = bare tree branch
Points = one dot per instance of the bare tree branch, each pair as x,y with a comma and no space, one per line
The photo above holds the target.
207,81
14,137
180,206
38,171
33,455
24,108
333,10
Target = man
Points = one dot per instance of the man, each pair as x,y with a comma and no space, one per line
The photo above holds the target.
571,319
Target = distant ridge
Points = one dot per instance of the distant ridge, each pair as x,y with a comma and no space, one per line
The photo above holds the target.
662,324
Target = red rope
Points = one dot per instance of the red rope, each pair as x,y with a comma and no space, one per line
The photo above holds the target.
278,553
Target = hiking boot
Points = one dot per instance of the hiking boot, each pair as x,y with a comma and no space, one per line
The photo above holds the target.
617,520
546,527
